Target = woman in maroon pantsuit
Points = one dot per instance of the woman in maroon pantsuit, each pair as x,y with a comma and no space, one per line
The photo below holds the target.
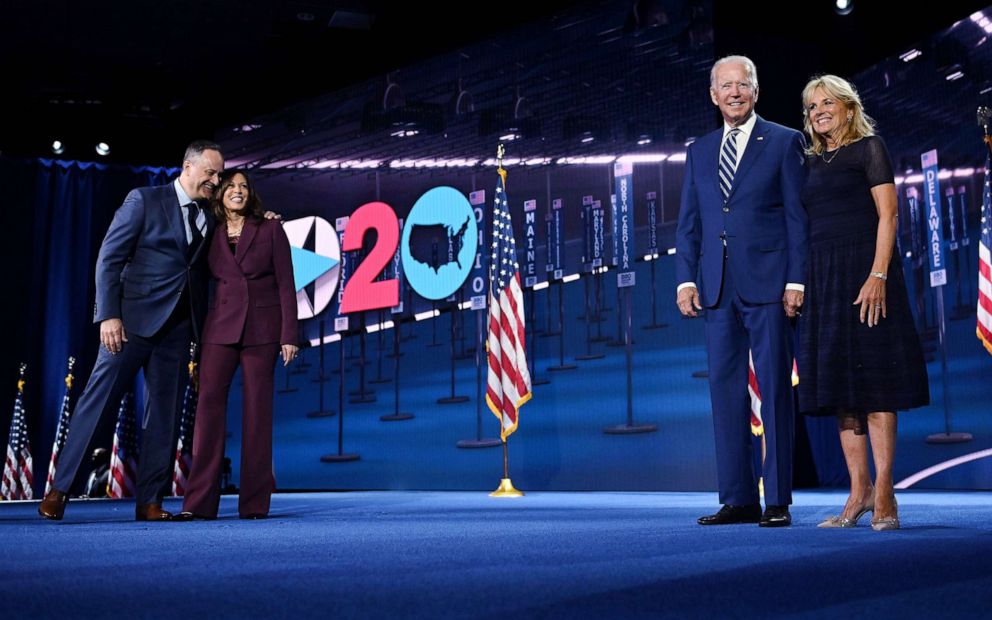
252,318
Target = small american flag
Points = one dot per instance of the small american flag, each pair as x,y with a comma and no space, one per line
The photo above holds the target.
63,429
18,469
508,378
124,457
184,449
984,328
757,426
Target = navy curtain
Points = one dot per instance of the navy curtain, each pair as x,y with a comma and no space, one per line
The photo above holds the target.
56,213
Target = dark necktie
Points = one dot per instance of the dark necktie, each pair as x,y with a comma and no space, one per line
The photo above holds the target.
728,162
191,212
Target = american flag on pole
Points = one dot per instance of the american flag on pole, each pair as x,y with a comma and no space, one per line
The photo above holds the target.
757,427
63,428
124,457
18,468
184,449
984,328
508,378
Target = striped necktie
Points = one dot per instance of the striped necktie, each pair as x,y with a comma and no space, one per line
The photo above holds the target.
728,162
192,211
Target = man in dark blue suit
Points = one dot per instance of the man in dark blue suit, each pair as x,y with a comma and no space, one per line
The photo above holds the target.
150,302
743,230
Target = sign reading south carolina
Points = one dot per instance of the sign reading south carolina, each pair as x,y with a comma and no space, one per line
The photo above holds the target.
443,213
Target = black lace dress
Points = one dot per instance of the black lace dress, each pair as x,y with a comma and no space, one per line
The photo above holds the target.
845,367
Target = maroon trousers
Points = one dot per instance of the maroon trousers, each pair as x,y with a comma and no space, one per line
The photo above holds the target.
217,366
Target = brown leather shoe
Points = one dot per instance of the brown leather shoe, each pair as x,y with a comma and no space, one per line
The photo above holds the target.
151,512
53,506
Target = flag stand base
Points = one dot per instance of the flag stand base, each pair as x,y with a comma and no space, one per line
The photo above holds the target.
949,438
396,417
478,443
339,458
506,489
630,429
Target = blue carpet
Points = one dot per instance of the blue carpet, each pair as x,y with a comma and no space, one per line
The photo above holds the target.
465,555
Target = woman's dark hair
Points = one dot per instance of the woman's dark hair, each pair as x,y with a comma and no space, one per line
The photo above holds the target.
253,208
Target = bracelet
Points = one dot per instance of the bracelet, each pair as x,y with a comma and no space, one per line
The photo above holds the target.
879,275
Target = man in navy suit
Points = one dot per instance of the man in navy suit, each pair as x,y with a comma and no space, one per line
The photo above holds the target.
743,230
150,302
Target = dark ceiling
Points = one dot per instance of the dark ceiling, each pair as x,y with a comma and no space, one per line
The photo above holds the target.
149,76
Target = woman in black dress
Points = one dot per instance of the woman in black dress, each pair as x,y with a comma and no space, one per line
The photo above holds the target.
860,357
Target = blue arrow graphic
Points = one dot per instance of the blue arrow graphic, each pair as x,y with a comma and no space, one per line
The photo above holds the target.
308,266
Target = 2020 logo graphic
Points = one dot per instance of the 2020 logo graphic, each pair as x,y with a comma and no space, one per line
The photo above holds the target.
441,213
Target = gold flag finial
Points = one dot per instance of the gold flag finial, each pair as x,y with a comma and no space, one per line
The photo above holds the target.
192,365
500,152
68,375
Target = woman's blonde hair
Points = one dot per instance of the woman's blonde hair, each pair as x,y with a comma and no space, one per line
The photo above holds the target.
860,126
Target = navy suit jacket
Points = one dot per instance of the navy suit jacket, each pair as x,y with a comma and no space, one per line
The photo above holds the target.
142,268
763,219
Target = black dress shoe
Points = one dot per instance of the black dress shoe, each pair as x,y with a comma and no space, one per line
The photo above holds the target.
776,516
733,514
190,516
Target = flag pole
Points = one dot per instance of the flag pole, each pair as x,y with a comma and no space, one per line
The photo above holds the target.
64,412
506,488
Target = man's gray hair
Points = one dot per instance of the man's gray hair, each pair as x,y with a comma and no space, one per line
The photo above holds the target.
749,68
196,148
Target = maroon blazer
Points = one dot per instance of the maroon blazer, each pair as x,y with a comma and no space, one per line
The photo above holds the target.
254,300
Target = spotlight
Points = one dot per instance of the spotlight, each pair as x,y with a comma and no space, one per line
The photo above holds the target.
586,129
57,147
102,149
844,7
911,55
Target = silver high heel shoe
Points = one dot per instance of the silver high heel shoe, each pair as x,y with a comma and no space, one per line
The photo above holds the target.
839,521
886,523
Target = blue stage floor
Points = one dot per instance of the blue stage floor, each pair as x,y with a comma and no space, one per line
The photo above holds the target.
465,555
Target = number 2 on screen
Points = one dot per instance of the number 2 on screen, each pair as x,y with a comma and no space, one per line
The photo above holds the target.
361,291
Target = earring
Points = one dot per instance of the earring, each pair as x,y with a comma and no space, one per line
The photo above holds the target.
850,115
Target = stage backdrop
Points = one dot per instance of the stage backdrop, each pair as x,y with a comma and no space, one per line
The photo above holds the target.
583,91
